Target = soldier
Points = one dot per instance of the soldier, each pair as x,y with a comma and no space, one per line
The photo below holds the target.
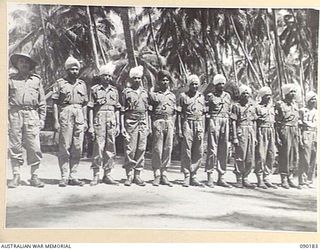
219,104
134,126
164,104
27,113
265,138
287,116
191,122
70,114
308,142
104,125
243,128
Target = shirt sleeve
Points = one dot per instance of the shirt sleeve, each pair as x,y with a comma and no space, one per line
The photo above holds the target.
42,103
56,90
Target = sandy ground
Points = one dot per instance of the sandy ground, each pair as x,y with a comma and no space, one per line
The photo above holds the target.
105,206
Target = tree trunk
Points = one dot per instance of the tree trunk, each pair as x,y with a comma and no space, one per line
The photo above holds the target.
93,41
45,74
154,41
98,40
124,14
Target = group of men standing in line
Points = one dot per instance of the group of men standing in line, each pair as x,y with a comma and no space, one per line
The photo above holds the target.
256,128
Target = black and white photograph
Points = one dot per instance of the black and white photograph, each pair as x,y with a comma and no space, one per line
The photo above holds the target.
171,118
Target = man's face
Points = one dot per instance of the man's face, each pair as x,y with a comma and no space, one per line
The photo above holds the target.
73,72
292,94
23,65
106,79
266,98
136,80
313,101
194,86
164,84
245,96
220,86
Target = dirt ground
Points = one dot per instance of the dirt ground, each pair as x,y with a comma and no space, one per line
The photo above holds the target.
105,206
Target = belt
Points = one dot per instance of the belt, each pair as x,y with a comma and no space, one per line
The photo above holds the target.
265,125
193,117
219,115
71,105
309,129
246,125
161,116
23,107
288,125
135,115
106,108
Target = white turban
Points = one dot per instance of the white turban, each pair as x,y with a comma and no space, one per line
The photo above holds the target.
286,88
193,78
219,79
107,69
136,72
71,62
310,95
264,91
245,88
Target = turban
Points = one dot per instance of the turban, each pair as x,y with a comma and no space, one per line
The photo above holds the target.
264,91
310,95
245,88
193,78
286,88
14,59
136,72
164,73
219,79
71,62
107,69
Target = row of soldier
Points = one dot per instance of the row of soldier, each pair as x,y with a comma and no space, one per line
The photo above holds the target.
256,128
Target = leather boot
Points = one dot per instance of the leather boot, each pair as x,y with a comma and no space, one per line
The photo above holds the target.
194,181
239,183
76,182
247,184
210,182
269,184
129,179
164,181
156,181
137,180
261,183
107,179
35,182
15,182
284,182
186,181
63,182
222,183
95,180
291,183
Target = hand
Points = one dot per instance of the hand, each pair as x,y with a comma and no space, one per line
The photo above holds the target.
117,131
56,126
279,142
235,141
149,131
91,130
42,123
180,134
125,134
85,126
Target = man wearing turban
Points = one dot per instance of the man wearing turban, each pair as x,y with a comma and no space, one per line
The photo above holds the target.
27,113
104,124
308,142
219,108
134,126
163,103
287,117
70,115
265,138
191,107
244,136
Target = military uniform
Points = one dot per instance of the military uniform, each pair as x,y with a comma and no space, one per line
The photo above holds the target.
134,108
27,106
70,99
192,110
308,146
266,141
164,106
104,102
219,109
245,117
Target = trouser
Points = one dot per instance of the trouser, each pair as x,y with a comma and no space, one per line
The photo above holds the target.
135,145
217,152
308,155
289,150
70,140
104,147
162,144
192,146
244,151
24,132
265,151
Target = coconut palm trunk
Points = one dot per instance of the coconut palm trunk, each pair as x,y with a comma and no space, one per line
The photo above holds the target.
93,41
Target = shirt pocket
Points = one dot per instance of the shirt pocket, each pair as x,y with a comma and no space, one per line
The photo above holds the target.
81,93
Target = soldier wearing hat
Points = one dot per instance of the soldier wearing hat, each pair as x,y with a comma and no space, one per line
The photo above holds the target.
163,103
265,138
287,117
27,113
308,142
219,109
104,124
191,109
244,136
134,126
70,114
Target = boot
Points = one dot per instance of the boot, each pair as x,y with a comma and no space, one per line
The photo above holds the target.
137,180
284,182
15,182
210,182
164,181
194,181
239,183
63,182
76,182
129,179
269,184
291,183
95,180
156,181
247,184
186,182
35,182
222,183
261,183
107,179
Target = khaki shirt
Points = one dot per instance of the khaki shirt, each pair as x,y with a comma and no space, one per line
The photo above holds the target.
163,103
134,100
265,115
66,93
27,93
219,105
286,115
308,118
243,115
191,107
104,98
